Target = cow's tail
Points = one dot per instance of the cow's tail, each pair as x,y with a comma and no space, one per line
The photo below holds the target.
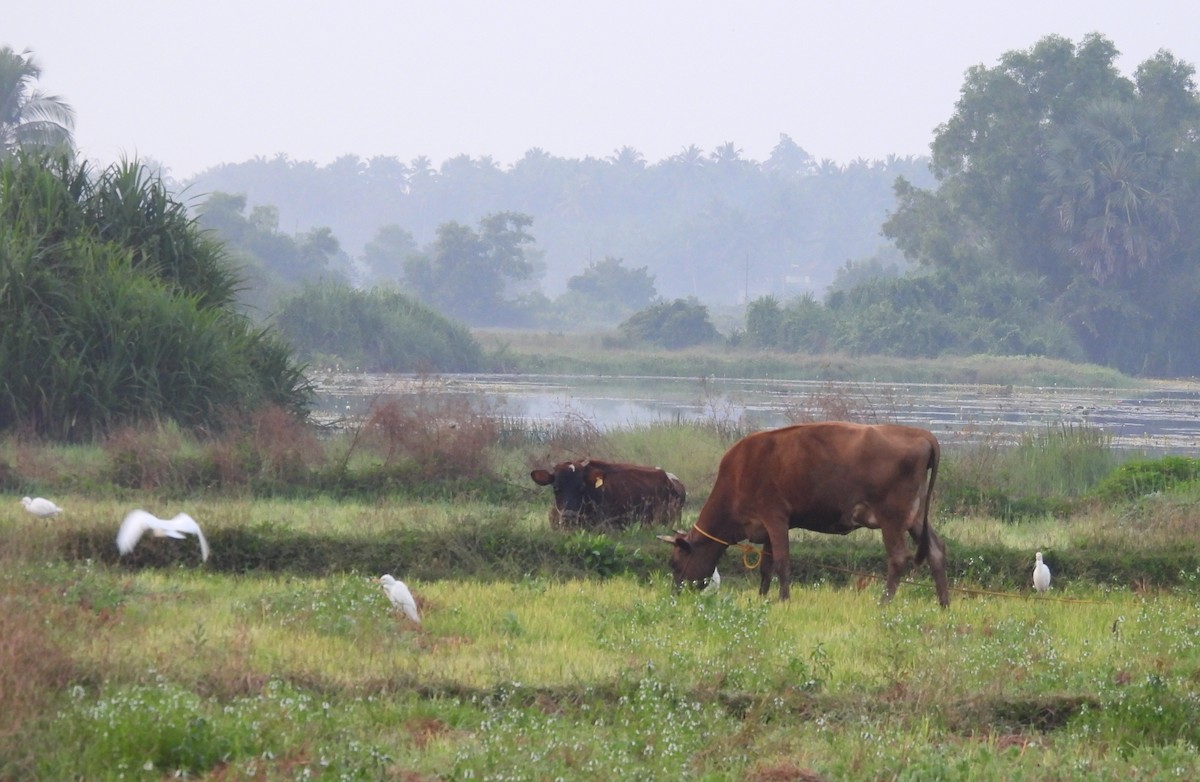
926,539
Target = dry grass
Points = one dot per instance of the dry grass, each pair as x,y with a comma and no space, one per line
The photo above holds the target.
35,662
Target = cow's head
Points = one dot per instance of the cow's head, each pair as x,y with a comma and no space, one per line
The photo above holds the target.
688,565
578,488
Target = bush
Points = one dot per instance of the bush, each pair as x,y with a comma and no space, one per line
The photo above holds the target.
116,310
1138,478
378,330
436,435
678,324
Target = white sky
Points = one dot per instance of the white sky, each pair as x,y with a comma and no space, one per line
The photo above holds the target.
196,84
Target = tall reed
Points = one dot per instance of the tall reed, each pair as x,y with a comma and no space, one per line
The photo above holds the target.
117,310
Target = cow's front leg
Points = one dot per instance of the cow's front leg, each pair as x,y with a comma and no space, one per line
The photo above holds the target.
765,571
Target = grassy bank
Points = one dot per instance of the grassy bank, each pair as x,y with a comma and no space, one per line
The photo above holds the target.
596,354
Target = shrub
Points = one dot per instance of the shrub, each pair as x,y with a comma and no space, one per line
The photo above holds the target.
678,324
1138,478
378,330
441,436
116,310
151,458
837,401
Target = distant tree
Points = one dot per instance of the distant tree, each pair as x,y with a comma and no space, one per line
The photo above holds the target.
727,154
992,151
789,159
804,326
887,263
466,275
628,158
608,291
763,319
273,263
1058,169
384,256
1111,187
30,119
691,156
678,324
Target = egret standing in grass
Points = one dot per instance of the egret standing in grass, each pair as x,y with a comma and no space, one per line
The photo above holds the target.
401,597
40,506
139,522
714,583
1041,574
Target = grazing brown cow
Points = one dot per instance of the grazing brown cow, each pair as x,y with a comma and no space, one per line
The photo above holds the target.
592,493
827,477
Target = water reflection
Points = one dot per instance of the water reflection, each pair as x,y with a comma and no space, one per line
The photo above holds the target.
1163,420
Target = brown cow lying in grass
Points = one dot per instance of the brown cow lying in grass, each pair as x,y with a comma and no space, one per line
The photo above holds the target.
826,477
590,493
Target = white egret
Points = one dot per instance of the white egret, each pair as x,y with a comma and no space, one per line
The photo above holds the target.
1041,575
139,522
40,506
401,597
714,583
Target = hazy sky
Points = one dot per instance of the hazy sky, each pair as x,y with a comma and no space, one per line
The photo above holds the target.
193,85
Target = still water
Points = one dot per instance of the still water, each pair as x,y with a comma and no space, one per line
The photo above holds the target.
1157,420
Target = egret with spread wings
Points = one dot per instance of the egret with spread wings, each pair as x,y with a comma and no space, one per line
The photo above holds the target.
139,522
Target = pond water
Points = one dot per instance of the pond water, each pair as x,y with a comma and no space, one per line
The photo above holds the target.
1161,419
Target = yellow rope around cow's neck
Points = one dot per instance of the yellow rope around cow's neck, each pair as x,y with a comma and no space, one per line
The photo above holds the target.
747,549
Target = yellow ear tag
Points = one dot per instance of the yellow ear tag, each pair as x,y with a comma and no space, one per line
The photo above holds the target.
599,481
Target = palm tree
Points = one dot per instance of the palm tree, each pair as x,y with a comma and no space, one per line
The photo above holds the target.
29,118
1110,186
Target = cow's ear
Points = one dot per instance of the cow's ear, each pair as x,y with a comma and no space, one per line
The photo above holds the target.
595,478
542,477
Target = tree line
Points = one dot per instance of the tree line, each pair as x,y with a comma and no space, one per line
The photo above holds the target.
1059,225
713,225
1053,221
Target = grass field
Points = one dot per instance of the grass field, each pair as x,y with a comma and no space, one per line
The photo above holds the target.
113,671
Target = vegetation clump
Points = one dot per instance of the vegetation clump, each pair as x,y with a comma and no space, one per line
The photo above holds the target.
1140,477
376,330
117,310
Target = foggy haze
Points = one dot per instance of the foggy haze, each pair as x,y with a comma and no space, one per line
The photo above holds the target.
193,86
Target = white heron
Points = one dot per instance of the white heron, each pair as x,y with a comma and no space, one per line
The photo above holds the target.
1041,574
40,506
714,583
401,597
139,522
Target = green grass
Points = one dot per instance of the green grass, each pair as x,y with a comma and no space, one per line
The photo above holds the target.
142,672
549,654
589,353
